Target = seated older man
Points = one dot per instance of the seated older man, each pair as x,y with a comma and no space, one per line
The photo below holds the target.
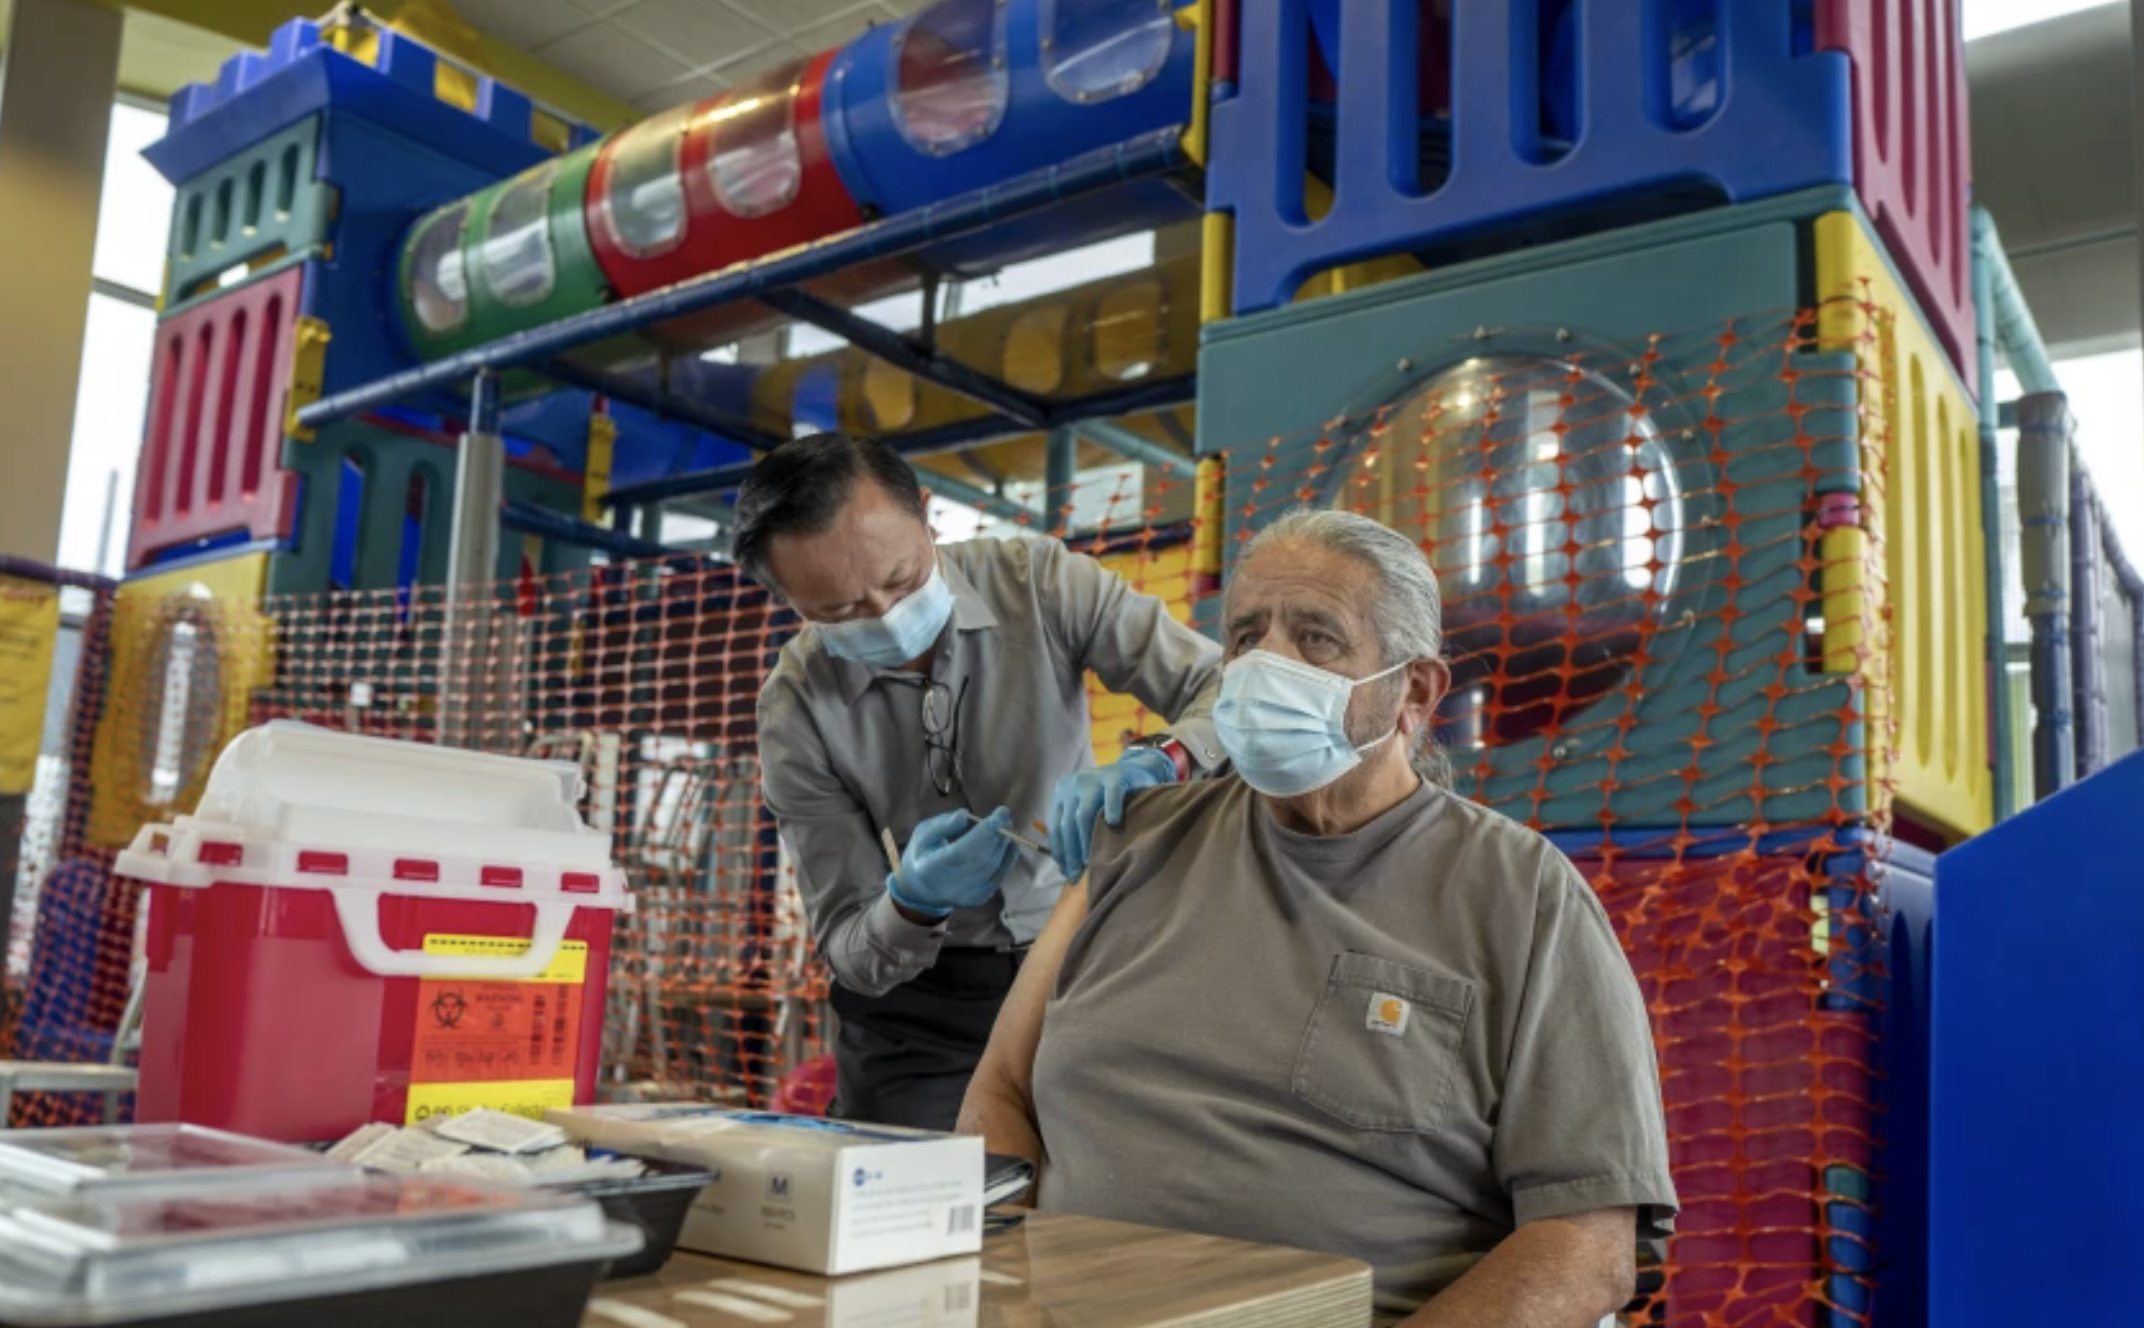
1323,1002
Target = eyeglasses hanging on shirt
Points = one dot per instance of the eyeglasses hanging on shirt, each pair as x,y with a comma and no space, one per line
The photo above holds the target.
941,735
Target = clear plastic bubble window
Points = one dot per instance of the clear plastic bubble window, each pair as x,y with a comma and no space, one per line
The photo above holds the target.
754,164
950,86
1554,517
439,289
643,203
1096,50
516,257
1131,331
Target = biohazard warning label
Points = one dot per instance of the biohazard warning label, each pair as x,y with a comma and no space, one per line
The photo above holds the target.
504,1045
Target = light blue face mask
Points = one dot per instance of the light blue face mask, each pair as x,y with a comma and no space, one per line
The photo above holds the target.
1283,723
903,634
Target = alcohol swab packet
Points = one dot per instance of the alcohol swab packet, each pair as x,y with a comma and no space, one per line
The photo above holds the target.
483,1166
360,1139
500,1132
554,1159
407,1150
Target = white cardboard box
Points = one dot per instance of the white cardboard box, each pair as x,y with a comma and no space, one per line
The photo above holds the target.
819,1196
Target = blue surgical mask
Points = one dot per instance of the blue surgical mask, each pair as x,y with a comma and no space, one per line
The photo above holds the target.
1283,723
903,634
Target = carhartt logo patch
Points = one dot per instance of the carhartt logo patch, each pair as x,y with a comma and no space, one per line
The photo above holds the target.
1388,1014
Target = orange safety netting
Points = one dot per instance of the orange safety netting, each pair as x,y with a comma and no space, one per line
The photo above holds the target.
1664,572
72,934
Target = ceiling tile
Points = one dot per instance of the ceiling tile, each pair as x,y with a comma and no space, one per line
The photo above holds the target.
759,61
842,29
614,61
698,87
796,16
698,32
524,23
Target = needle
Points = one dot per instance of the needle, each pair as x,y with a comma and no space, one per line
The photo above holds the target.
1021,840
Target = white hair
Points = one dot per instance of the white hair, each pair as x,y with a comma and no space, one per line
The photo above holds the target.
1408,614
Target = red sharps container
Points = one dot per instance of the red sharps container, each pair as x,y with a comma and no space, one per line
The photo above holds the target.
351,929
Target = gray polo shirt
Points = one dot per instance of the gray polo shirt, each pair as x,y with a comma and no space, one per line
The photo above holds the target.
1396,1044
842,751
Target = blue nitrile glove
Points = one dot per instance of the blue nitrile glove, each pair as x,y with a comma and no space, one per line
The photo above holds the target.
952,862
1099,792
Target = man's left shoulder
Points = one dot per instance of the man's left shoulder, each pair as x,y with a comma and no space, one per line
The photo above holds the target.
1510,859
1491,831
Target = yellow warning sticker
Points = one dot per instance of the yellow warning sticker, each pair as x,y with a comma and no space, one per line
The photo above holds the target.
571,966
523,1097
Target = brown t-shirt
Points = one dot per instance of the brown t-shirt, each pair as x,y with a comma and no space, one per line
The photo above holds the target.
1396,1044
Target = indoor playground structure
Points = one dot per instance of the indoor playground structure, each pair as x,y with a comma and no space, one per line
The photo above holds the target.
1666,327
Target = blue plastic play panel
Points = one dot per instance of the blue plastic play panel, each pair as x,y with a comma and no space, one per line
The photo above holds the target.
2036,1205
1623,137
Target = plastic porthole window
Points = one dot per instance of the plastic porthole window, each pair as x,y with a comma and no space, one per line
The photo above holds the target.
1557,510
754,164
439,289
186,682
643,203
515,257
950,86
1035,351
889,395
1098,50
1130,334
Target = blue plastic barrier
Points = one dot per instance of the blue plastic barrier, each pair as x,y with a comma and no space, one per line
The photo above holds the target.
257,93
2036,1206
1623,143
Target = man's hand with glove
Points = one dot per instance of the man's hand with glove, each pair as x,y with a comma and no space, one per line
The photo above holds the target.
951,862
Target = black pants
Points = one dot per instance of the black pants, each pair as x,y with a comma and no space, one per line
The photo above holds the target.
905,1058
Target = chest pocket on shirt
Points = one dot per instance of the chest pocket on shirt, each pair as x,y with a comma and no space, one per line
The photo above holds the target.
1383,1049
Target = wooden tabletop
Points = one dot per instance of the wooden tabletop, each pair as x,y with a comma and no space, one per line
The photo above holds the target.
1051,1271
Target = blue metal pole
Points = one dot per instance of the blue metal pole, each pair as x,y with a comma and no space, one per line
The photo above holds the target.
2131,587
1060,466
2002,724
928,442
982,500
2088,665
2043,492
2015,331
886,344
669,404
546,524
1136,447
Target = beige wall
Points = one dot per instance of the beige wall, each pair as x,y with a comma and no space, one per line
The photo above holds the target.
57,81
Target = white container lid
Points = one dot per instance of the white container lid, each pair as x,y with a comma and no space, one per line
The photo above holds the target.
111,1257
290,806
109,1157
295,783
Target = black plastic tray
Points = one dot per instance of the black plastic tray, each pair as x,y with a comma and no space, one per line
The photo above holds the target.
655,1202
553,1297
